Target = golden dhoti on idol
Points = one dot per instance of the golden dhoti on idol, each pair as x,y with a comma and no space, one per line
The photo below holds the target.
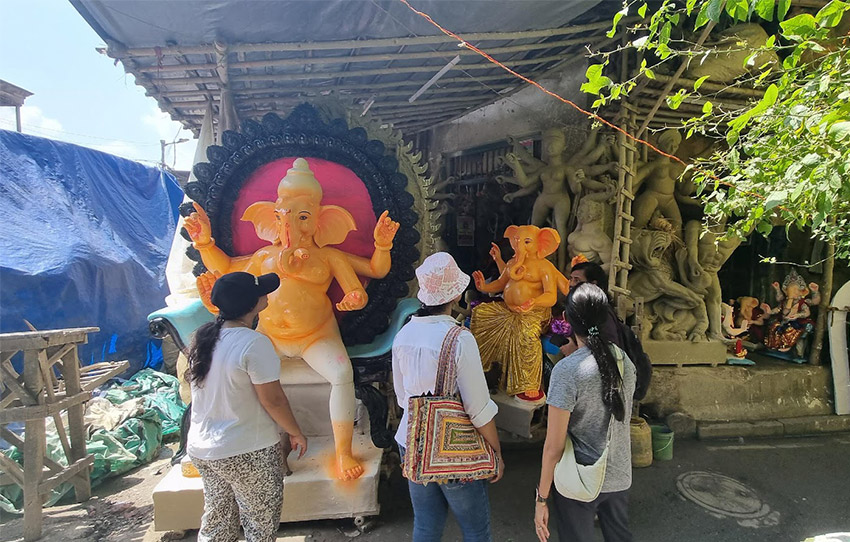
512,339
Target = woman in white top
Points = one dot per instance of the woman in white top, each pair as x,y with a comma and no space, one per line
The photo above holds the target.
238,411
416,351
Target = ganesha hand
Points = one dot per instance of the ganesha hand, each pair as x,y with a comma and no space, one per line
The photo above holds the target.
385,231
813,287
198,227
205,283
496,253
527,306
478,278
353,300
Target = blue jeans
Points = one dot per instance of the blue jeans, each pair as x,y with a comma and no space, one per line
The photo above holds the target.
469,502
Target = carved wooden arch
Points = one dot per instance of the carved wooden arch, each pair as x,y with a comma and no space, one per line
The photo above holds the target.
304,133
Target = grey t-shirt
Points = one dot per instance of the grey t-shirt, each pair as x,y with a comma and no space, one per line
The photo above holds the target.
576,386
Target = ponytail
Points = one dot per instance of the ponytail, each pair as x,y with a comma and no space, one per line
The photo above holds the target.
587,311
200,353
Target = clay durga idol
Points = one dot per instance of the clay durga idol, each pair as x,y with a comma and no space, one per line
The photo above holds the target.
300,320
554,177
508,332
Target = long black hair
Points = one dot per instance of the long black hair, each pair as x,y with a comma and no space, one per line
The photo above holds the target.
201,350
587,311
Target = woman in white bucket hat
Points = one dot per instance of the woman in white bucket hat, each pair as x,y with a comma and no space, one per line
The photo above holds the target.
416,351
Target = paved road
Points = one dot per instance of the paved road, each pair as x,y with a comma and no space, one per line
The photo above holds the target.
771,490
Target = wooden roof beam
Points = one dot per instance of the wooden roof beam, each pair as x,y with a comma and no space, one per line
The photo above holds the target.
116,51
364,73
359,59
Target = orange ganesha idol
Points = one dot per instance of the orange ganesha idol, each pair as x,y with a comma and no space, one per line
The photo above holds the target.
509,331
299,320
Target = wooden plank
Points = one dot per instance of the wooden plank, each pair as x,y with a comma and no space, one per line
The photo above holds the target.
78,467
51,399
301,76
76,423
34,448
15,472
35,412
15,382
34,340
121,53
378,57
15,440
57,356
92,379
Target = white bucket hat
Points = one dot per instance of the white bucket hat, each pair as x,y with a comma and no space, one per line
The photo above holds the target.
440,279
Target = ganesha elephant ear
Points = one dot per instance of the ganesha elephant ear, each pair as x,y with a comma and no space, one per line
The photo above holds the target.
334,225
547,241
510,235
261,214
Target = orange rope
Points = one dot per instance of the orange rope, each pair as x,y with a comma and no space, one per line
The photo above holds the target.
557,96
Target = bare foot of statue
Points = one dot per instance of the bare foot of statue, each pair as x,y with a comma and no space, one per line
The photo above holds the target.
348,468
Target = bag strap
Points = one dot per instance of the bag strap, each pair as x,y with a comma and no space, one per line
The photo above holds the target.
447,367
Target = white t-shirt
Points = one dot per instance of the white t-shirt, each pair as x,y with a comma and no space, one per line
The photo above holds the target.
227,417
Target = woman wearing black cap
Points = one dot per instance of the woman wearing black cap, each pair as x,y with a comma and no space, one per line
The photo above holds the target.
238,410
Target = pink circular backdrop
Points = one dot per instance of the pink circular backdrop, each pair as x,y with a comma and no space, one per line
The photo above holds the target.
340,186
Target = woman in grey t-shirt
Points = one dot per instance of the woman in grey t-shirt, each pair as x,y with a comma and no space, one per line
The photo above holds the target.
587,389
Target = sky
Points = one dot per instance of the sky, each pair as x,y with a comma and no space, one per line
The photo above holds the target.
79,95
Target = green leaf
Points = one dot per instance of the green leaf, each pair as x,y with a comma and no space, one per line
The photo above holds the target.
732,137
617,17
689,6
799,28
739,10
715,8
775,199
840,130
664,35
782,8
764,9
707,107
649,73
595,80
642,10
830,15
702,17
675,100
764,228
698,83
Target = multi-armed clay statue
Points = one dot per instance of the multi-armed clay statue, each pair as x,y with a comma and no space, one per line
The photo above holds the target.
553,177
508,332
300,319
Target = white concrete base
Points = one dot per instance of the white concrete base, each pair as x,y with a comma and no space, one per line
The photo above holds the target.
515,416
310,492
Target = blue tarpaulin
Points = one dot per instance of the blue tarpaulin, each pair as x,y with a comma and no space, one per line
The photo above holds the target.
84,239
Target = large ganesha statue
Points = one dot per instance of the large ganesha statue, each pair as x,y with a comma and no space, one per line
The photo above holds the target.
299,319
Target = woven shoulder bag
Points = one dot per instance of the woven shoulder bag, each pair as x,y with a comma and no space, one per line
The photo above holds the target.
442,443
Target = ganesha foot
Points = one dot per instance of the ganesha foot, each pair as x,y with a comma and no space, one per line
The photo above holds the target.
348,468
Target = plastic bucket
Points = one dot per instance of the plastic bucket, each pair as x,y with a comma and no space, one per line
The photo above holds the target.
641,443
662,442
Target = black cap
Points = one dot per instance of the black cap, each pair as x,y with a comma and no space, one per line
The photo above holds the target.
235,294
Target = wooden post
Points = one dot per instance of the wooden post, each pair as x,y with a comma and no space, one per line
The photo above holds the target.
823,308
76,423
34,447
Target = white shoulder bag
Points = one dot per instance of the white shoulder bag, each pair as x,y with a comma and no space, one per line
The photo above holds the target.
584,482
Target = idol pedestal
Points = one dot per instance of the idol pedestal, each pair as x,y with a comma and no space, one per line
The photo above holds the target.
312,491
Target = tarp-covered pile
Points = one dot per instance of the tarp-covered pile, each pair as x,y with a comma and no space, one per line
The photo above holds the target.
84,240
126,424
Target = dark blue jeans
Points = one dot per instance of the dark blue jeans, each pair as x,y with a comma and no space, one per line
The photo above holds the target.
468,501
